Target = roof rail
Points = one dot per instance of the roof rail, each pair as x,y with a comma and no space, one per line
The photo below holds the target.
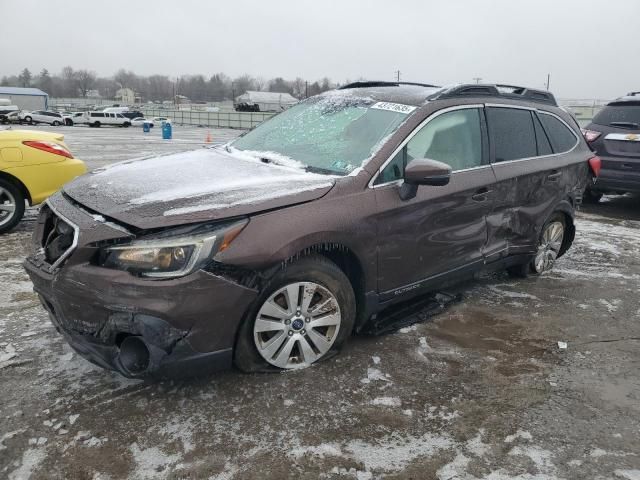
633,94
497,90
375,83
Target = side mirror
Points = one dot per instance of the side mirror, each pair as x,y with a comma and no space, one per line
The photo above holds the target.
423,171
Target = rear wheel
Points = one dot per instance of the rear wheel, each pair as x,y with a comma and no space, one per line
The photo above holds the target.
96,124
549,246
303,315
11,205
28,119
55,123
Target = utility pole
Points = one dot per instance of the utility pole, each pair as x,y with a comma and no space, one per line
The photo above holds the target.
306,89
548,80
477,79
397,72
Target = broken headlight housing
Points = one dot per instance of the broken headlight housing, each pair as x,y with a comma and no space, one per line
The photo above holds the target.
169,256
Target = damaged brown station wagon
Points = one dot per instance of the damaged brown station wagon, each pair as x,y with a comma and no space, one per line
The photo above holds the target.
270,251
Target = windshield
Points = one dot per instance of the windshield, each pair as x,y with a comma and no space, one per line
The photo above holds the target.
619,114
332,134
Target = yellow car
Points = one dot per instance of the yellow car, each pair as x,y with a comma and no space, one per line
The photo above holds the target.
33,165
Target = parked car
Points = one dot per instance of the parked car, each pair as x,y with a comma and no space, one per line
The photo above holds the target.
42,116
133,114
159,120
33,165
140,121
272,250
7,109
10,117
75,118
614,133
97,119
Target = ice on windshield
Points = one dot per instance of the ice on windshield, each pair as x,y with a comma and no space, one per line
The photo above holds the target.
335,133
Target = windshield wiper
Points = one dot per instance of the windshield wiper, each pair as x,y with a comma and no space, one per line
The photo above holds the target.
631,125
323,171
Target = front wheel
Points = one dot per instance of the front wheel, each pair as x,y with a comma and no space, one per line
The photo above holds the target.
127,125
29,120
96,124
55,123
303,315
11,205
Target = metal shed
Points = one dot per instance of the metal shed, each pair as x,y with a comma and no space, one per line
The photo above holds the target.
266,101
26,98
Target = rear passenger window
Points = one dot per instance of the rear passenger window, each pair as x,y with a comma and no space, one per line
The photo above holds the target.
562,139
544,147
513,133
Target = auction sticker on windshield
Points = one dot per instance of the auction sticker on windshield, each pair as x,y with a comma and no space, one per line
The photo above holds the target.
394,107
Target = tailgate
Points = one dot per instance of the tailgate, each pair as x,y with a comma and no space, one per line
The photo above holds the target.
622,152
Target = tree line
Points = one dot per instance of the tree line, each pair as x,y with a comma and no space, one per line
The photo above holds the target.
81,83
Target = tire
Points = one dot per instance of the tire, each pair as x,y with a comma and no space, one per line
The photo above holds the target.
126,125
10,195
96,124
550,244
297,342
590,196
28,119
55,123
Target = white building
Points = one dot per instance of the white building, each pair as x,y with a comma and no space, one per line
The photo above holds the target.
127,96
26,98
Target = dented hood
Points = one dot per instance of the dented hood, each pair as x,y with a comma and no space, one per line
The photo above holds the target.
203,185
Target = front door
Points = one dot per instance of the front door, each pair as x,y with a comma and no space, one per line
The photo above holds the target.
443,228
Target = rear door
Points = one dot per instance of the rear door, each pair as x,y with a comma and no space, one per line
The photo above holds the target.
535,169
442,229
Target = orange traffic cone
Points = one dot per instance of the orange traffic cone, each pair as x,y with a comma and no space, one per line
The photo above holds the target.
208,139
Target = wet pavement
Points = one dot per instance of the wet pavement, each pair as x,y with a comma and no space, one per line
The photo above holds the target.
482,391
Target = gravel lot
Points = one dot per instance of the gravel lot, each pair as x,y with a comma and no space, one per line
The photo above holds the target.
481,391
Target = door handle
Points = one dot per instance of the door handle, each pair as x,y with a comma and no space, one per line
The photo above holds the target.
554,175
626,166
481,194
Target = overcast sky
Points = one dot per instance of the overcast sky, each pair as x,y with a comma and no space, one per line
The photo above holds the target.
590,48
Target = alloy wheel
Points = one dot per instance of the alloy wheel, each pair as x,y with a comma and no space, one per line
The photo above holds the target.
7,206
297,325
549,247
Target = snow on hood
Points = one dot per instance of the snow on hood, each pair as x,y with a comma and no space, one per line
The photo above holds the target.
201,185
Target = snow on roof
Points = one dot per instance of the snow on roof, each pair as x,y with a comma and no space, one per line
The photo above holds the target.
267,97
22,91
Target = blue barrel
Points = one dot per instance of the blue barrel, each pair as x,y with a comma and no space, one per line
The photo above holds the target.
146,127
166,131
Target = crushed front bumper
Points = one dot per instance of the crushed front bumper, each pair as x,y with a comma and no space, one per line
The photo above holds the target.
187,325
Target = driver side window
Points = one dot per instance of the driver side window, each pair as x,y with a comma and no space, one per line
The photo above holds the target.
454,138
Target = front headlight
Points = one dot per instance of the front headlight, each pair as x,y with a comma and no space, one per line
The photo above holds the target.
171,256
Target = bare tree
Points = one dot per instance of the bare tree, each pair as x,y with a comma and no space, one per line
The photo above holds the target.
69,86
85,81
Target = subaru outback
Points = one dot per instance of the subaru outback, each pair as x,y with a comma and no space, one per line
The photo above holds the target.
269,252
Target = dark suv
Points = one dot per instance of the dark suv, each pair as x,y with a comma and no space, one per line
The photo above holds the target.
614,134
272,250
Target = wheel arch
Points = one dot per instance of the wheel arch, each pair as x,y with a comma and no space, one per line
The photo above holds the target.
347,260
18,183
567,209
